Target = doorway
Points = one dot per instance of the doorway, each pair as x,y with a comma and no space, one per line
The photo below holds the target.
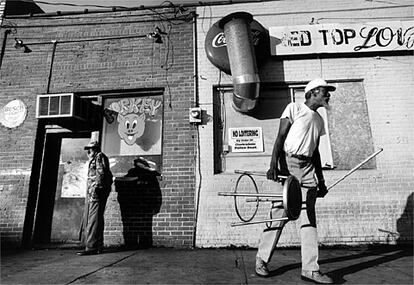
62,189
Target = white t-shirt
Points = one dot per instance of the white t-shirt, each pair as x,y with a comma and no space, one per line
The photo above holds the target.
307,127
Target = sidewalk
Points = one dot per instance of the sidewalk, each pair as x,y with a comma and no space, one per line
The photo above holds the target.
380,265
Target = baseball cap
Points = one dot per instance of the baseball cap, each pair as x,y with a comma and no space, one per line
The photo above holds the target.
318,82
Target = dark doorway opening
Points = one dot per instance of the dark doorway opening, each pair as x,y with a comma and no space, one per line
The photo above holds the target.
59,207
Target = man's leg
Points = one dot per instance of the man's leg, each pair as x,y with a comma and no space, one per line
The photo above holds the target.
101,224
270,236
309,240
308,232
92,227
268,241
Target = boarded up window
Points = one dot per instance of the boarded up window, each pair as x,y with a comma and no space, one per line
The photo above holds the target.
349,125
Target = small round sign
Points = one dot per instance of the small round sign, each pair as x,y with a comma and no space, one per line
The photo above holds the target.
13,114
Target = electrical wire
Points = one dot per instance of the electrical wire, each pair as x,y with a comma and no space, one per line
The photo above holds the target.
68,4
100,23
195,4
198,4
362,18
188,17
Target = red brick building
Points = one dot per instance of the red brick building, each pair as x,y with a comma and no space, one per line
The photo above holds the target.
138,64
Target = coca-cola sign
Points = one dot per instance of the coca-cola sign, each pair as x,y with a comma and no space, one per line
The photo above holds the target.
216,48
342,38
220,40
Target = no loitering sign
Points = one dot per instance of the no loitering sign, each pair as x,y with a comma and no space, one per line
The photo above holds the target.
246,139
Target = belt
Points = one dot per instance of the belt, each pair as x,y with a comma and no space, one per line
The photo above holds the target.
299,156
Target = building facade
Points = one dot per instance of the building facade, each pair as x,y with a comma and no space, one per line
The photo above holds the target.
370,111
122,77
160,83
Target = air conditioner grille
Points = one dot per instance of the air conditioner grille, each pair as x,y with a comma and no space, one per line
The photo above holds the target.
54,106
65,105
43,109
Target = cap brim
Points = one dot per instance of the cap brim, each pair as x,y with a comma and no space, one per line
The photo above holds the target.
143,166
329,87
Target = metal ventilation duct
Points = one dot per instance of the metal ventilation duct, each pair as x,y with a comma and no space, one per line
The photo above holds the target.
242,59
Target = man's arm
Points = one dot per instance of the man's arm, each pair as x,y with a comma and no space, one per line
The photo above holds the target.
100,170
284,128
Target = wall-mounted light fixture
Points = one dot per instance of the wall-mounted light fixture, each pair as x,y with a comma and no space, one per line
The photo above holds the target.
19,44
156,35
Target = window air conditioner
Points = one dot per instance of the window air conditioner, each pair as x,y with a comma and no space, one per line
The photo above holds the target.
68,110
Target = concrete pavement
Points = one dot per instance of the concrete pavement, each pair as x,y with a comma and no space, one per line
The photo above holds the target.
377,265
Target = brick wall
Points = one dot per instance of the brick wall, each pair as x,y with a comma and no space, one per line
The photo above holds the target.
2,6
118,64
371,206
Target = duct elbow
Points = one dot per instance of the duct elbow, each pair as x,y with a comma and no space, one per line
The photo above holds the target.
246,81
245,95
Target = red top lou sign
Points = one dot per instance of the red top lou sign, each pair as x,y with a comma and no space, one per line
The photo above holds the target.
342,38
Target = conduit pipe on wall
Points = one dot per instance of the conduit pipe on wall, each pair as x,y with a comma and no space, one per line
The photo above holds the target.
242,60
3,46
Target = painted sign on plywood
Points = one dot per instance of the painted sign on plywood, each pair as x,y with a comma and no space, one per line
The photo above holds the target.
342,38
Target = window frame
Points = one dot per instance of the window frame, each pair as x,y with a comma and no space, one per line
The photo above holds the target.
221,149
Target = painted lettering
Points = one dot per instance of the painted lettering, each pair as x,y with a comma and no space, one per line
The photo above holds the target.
147,106
384,37
349,34
220,40
325,40
297,38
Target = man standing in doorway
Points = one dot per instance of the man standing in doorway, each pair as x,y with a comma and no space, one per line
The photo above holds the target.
296,153
98,183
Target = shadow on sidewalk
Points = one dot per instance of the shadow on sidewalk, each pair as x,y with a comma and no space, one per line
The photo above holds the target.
384,255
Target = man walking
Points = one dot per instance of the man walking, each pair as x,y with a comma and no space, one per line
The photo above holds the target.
296,153
98,183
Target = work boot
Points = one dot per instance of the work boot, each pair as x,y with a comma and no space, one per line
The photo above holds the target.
316,277
89,252
261,267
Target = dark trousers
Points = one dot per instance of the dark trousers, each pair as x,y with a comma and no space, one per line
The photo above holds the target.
94,224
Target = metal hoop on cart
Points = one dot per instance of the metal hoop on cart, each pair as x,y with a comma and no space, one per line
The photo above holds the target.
236,196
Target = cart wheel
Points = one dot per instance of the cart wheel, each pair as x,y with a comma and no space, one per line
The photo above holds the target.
292,198
246,208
